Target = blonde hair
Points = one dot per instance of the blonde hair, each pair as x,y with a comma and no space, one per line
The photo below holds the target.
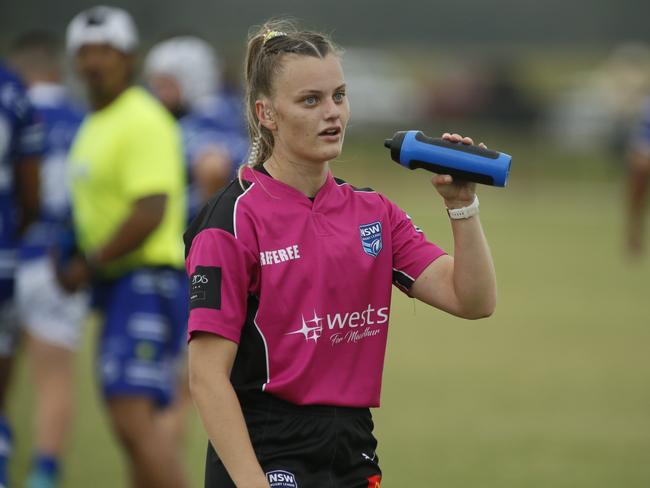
267,46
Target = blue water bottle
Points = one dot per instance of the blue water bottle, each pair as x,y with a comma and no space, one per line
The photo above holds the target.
413,149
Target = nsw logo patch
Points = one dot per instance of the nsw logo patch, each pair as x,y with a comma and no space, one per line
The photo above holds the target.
281,479
205,287
371,238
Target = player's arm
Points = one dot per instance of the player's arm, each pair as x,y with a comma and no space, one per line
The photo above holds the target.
210,361
637,191
463,285
146,214
27,158
27,191
638,182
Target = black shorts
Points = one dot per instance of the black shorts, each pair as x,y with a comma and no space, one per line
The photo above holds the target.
305,446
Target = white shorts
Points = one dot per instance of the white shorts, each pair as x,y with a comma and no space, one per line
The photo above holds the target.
46,310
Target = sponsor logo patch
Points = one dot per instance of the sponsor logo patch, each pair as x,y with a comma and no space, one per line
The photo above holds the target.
281,479
343,326
205,287
371,238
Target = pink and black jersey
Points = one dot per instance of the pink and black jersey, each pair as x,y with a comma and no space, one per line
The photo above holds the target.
304,287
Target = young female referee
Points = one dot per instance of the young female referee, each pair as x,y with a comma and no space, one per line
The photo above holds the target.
291,272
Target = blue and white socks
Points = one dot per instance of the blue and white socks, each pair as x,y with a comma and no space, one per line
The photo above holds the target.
44,472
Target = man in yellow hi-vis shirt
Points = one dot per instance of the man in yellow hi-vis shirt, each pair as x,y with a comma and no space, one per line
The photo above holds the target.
128,208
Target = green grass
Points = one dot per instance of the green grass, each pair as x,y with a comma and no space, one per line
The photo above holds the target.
552,391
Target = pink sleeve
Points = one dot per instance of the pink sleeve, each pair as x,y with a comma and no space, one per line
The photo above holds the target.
412,253
219,268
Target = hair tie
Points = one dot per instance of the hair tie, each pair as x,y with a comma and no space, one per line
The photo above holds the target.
272,35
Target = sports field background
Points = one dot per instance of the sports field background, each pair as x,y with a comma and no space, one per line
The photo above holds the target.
552,391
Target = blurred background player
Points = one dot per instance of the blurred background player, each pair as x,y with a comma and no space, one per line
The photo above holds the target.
129,209
186,76
20,148
52,318
638,179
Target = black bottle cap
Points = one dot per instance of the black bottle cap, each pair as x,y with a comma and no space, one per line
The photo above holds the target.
395,145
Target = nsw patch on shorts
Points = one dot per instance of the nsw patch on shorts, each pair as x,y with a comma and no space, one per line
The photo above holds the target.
281,479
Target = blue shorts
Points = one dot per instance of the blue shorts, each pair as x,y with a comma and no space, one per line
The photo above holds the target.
145,323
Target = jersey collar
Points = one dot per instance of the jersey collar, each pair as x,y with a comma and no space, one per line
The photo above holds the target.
276,188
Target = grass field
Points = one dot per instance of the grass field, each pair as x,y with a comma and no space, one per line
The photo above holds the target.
552,391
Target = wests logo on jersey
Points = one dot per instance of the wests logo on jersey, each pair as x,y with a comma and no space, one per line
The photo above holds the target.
343,326
371,238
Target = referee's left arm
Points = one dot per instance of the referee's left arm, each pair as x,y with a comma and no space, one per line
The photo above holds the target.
463,285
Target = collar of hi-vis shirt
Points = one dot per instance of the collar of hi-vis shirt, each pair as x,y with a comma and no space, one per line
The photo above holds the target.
277,188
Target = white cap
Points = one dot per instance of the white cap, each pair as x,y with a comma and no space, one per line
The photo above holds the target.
102,25
191,62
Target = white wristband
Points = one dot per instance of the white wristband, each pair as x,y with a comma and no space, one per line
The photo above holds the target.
464,212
